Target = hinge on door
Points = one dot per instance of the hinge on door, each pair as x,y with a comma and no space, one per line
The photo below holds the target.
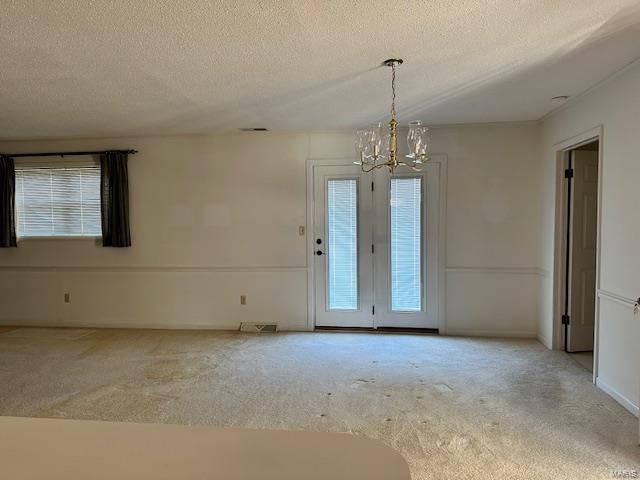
373,248
373,309
568,173
566,319
372,186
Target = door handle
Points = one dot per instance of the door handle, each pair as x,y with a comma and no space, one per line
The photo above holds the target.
319,252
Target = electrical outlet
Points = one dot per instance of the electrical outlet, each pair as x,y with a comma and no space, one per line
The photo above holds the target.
243,299
67,298
301,230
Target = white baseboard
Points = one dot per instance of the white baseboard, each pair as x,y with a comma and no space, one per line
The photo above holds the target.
490,333
137,326
125,325
618,397
544,341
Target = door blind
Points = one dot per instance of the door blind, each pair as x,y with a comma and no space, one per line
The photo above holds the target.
342,225
406,244
55,202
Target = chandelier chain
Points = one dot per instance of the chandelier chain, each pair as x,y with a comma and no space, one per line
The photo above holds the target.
393,90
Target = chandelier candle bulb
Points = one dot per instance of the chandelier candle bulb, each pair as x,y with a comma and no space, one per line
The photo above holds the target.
376,150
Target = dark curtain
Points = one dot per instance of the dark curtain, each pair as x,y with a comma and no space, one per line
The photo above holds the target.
7,202
114,195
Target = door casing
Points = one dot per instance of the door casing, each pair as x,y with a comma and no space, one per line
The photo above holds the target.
563,150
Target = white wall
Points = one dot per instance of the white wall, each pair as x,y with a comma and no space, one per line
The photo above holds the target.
492,282
216,217
616,106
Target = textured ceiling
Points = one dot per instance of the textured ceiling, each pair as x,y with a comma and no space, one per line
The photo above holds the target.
130,67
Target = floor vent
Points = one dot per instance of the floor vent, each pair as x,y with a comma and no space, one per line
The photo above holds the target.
259,327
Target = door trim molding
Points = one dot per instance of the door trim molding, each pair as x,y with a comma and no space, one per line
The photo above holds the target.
442,246
442,225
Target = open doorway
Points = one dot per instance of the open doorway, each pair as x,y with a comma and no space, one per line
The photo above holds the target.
581,237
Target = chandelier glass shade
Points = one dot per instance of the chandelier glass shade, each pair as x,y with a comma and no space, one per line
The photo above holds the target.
377,146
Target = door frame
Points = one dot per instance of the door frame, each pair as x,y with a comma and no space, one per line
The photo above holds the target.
562,150
442,160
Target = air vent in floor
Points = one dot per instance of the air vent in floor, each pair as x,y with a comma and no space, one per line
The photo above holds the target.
259,327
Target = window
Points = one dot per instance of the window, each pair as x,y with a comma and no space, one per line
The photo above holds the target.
342,224
406,244
58,201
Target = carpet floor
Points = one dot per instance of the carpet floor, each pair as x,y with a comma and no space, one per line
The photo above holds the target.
455,408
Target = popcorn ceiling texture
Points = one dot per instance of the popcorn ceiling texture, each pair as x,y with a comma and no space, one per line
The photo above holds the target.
93,68
455,408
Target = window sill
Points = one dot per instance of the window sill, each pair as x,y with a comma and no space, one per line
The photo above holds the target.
60,238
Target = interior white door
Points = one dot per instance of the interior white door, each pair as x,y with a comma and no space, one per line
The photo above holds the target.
583,231
406,248
342,243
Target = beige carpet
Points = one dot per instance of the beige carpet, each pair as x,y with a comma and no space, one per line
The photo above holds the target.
455,408
584,358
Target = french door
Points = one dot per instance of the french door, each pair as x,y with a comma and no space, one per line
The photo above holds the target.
376,247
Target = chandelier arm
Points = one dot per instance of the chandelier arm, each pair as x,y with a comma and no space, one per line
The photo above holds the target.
376,166
373,167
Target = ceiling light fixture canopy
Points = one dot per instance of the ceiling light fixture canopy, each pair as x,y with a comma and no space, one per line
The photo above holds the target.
377,147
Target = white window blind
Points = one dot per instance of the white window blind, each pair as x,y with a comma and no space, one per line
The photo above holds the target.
406,244
58,201
342,251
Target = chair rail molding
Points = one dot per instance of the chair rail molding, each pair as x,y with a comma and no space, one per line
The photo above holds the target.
518,270
617,298
151,269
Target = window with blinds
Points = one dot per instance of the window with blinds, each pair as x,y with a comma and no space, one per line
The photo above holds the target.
406,244
58,201
342,247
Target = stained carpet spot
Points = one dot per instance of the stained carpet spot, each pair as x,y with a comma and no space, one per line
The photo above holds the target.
457,443
441,387
50,333
119,402
172,370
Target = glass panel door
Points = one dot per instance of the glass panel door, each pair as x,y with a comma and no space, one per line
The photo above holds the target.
406,248
375,247
343,262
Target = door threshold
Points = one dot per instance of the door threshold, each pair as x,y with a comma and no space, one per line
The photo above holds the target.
400,330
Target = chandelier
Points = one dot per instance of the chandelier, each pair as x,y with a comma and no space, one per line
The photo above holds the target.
377,147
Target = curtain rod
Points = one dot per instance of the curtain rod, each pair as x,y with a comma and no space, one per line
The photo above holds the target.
64,154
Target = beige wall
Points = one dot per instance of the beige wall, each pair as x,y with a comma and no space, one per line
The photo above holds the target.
616,106
216,217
